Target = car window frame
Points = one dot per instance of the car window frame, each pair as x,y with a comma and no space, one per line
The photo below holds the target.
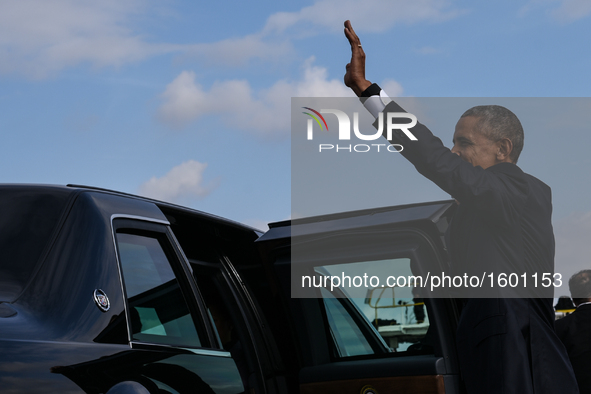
385,242
183,272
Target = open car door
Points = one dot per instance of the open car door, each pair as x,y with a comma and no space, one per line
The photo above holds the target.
361,320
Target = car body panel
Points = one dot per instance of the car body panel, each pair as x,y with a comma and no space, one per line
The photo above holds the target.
301,246
54,337
55,327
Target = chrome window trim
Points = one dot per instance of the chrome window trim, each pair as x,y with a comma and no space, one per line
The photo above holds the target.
144,218
199,351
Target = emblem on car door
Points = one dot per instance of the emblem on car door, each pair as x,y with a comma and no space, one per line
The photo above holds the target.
368,390
101,300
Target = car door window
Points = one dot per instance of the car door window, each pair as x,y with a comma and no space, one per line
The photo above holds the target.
230,328
346,334
158,311
391,303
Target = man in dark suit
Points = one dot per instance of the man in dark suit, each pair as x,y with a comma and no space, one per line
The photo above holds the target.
574,330
502,225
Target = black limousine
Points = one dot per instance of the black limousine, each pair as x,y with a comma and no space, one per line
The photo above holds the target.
106,292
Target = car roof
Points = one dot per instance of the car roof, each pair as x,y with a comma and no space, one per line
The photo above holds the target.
32,215
394,215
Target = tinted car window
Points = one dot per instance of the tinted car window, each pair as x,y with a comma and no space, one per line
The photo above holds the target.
395,308
348,337
157,309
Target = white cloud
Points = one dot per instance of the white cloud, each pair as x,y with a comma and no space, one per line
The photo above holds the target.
273,41
367,15
40,37
184,101
564,11
266,112
571,10
238,51
392,88
183,182
573,249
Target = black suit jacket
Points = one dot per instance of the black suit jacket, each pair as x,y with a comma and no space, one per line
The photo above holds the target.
574,331
502,225
503,222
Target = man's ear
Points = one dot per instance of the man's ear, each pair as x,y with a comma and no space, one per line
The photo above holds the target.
505,149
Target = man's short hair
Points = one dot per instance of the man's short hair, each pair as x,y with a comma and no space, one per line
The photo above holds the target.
580,286
496,123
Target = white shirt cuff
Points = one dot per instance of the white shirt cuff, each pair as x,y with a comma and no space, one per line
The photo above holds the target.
376,104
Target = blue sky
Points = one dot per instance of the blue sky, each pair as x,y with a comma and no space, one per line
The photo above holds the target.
189,101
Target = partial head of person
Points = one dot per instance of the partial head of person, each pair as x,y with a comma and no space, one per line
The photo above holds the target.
487,135
580,287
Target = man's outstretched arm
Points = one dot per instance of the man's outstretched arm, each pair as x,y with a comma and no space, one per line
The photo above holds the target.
464,182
